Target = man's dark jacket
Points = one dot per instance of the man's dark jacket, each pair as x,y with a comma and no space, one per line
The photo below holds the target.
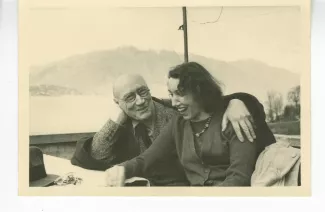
169,171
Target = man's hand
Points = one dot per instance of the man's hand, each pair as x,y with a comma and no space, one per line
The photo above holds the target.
118,115
115,176
239,116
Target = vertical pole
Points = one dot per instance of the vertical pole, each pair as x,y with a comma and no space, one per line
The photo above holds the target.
185,35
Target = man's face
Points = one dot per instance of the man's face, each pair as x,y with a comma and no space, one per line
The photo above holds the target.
134,98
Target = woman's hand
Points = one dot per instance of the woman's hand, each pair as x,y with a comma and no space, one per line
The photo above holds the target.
239,116
115,176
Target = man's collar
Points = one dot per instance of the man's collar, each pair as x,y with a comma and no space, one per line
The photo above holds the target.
135,123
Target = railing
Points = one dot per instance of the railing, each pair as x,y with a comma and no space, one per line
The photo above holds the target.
57,138
73,137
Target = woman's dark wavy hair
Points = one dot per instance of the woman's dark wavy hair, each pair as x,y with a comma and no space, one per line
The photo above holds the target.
195,79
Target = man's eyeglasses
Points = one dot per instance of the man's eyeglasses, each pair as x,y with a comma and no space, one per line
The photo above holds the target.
131,97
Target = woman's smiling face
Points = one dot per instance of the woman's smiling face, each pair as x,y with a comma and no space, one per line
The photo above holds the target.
185,103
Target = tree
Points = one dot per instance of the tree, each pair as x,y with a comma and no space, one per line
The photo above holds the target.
294,98
278,106
274,105
289,113
269,105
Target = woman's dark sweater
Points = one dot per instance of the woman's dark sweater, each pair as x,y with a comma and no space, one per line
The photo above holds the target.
223,159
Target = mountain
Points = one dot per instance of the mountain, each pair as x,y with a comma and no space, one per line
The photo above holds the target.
92,73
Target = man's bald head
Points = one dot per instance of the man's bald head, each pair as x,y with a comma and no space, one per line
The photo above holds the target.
126,83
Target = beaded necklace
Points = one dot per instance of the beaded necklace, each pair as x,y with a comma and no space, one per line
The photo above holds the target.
206,126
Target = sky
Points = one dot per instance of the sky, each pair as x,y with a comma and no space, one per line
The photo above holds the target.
268,34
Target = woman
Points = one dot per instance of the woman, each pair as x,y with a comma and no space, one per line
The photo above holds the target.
209,156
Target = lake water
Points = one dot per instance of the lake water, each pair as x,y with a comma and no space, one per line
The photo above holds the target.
68,114
71,114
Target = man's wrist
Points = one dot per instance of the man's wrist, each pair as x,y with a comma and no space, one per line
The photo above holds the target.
119,119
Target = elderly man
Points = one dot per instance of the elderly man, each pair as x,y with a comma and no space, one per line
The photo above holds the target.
139,121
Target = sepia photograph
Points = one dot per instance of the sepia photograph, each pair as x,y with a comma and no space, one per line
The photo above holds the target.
179,97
